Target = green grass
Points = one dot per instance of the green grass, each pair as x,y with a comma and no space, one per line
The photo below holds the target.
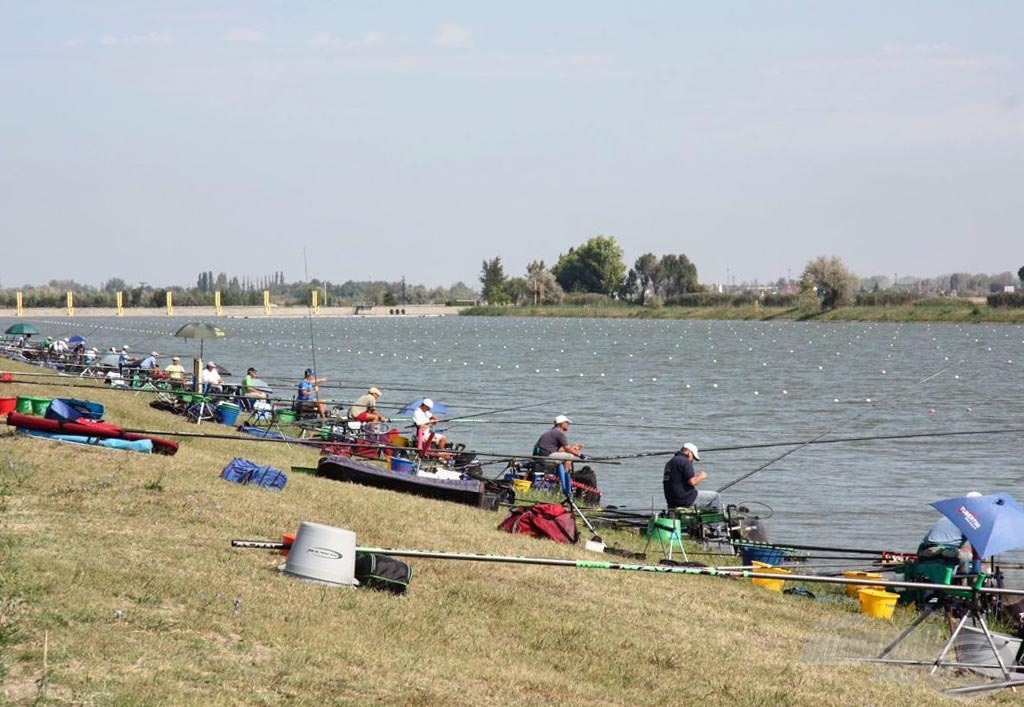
119,587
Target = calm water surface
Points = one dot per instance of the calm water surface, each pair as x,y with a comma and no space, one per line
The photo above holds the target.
641,387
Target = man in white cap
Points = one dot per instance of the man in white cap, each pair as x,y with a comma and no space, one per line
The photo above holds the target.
150,361
680,481
424,420
364,409
555,444
210,378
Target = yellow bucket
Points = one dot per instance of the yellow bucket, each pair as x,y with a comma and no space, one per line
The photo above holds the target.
521,485
852,589
773,584
877,602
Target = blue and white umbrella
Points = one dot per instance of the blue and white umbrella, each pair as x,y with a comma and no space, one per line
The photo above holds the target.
992,523
438,409
77,339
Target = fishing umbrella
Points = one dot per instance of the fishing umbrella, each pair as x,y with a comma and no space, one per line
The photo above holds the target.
21,328
992,523
201,331
438,409
77,339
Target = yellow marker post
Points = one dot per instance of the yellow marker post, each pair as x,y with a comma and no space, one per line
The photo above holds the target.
170,303
120,304
216,303
314,294
19,303
266,302
71,303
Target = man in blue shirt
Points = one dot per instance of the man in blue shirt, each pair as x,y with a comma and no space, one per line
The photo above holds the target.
307,397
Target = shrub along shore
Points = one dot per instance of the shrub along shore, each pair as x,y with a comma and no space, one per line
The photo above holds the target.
118,586
924,311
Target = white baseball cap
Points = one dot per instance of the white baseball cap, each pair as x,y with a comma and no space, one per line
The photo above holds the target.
693,450
428,403
562,418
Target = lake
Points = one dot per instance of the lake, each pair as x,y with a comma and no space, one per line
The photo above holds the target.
635,387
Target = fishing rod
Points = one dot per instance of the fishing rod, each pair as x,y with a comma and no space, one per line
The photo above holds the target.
811,441
834,440
821,548
631,567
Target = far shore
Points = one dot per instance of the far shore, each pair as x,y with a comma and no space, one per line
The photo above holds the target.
258,312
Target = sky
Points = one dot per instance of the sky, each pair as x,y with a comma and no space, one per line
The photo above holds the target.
359,140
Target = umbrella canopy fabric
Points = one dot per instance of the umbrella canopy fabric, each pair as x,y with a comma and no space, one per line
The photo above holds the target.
77,339
200,330
438,409
992,523
21,328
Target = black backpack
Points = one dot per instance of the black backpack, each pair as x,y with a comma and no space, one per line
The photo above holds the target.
382,572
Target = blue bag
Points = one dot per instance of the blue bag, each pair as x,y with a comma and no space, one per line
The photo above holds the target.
243,471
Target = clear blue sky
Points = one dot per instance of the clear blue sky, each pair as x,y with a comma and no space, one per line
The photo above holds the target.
152,140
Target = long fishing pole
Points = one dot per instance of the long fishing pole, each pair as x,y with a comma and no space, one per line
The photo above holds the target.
833,440
312,343
630,567
819,437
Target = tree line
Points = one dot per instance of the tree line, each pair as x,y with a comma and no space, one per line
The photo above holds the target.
235,291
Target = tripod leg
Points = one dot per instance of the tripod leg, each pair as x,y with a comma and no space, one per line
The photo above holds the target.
906,632
952,637
992,645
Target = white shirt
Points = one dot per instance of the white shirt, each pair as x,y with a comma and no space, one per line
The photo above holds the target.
210,376
420,418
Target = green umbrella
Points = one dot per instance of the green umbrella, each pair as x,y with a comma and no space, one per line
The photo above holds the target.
201,331
21,328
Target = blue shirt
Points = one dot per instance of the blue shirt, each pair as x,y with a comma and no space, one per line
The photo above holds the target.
944,532
305,390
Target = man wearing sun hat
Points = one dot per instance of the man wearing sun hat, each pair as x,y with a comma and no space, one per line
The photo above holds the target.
680,481
150,361
175,370
210,378
364,409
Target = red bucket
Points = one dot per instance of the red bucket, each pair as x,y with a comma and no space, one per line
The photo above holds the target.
8,405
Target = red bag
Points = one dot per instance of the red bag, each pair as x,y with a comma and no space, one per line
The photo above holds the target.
542,520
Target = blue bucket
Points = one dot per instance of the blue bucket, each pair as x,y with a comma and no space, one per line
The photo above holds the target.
228,413
767,555
403,465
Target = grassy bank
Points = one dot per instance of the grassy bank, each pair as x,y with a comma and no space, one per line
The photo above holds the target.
119,587
951,312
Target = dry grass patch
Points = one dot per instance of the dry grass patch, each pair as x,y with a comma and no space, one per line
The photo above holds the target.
122,562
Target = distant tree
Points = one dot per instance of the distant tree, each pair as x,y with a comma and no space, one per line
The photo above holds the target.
115,284
517,290
643,278
596,266
493,279
542,285
830,280
1020,273
678,276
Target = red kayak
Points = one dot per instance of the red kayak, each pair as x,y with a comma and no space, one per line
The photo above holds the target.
89,428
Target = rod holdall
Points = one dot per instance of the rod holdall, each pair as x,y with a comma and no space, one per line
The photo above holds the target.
382,572
542,520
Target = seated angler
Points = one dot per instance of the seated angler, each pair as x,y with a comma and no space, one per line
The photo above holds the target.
424,420
307,397
680,482
364,409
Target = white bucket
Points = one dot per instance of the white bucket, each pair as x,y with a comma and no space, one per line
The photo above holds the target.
972,648
323,553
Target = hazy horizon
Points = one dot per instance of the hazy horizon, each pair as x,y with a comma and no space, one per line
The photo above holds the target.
360,141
